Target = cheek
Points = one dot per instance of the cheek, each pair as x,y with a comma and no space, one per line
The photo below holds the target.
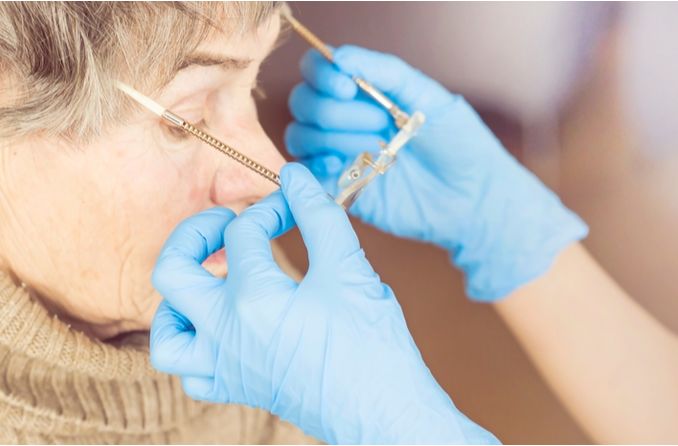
235,185
175,189
161,191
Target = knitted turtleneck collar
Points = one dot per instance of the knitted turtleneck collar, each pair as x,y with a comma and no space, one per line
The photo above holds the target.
56,381
58,385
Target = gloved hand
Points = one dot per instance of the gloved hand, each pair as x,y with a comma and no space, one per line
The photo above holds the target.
453,185
331,354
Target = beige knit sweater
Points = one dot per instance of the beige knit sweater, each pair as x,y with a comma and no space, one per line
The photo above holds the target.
59,386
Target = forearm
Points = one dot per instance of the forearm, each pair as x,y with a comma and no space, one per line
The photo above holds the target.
612,364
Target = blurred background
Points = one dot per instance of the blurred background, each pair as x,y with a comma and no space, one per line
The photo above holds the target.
583,94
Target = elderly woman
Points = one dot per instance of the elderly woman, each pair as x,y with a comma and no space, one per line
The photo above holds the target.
90,188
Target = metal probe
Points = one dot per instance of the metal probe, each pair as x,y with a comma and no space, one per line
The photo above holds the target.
180,122
398,115
222,147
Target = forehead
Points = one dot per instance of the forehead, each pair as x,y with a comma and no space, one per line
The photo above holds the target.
250,48
254,44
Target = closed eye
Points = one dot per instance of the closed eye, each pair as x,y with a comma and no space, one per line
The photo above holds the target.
178,132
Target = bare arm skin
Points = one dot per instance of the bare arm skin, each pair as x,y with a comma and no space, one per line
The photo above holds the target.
610,362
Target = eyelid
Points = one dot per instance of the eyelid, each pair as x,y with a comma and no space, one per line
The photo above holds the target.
258,93
179,133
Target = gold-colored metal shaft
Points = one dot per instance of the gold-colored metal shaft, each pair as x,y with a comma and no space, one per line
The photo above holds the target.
311,38
398,115
222,147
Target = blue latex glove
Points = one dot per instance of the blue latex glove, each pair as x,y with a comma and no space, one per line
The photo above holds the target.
454,184
331,354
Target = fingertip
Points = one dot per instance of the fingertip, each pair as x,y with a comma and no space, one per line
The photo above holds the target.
227,213
156,358
167,328
294,100
191,242
325,168
305,59
198,388
291,171
162,277
271,213
406,85
345,88
296,137
273,203
301,187
257,225
329,165
382,70
302,190
289,138
324,225
325,77
347,58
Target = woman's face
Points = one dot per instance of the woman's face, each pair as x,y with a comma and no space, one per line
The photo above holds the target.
85,224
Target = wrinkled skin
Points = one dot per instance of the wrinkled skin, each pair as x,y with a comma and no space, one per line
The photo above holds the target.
83,225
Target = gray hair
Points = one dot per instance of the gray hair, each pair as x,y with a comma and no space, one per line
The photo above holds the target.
59,60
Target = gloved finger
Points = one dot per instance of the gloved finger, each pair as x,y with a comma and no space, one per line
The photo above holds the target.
407,86
199,388
324,226
173,348
179,276
248,237
325,77
305,140
326,168
310,107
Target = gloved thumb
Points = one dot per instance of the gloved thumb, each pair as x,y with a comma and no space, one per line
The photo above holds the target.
406,86
248,237
324,225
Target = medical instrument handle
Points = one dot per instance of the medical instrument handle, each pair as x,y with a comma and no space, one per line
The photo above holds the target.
364,170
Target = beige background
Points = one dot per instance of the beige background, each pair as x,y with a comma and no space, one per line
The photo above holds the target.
547,80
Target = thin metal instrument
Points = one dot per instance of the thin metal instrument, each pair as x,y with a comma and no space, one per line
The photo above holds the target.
399,116
205,137
365,168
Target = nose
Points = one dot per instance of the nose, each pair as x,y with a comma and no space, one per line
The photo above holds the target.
236,186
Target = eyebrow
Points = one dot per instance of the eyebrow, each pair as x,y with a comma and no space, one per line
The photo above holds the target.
205,59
